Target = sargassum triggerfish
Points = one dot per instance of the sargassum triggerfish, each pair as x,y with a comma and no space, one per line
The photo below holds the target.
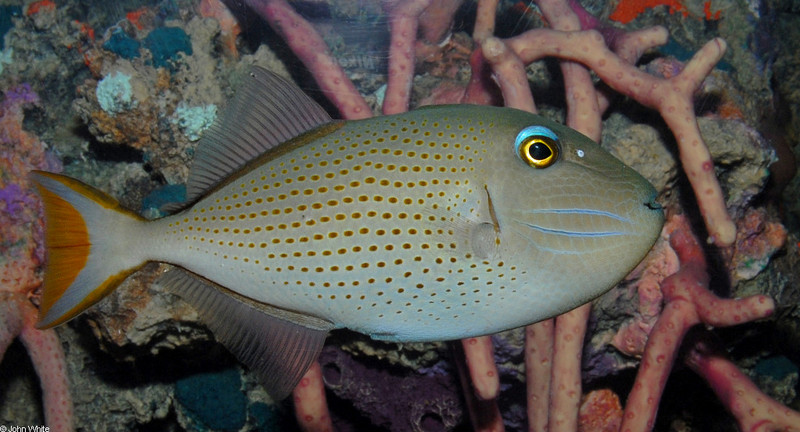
441,223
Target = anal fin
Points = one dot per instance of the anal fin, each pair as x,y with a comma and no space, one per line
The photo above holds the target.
278,345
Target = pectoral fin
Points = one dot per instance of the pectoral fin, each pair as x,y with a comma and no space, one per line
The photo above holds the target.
278,345
485,237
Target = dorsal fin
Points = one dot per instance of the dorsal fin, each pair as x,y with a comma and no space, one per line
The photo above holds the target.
266,111
278,345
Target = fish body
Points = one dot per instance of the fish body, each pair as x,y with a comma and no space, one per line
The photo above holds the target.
440,223
376,226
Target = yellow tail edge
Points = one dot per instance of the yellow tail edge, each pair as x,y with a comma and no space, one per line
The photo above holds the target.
78,272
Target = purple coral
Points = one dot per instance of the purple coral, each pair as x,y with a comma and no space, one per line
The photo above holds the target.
14,200
21,255
429,402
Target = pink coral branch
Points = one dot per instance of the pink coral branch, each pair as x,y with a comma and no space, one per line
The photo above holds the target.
436,21
583,113
50,364
671,97
753,410
18,318
309,47
509,72
404,22
406,18
480,89
688,302
484,414
11,322
482,369
660,263
630,46
539,340
565,385
484,20
310,404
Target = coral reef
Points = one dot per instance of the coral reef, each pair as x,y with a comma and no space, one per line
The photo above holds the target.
123,93
21,243
114,93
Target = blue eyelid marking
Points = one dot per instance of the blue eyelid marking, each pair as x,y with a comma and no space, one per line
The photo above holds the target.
532,131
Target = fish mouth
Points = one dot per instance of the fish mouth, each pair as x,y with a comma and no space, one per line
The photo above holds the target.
654,205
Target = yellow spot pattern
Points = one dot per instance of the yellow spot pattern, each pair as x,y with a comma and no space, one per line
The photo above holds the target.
365,225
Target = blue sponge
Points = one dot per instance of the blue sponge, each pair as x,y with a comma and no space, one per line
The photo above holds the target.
165,43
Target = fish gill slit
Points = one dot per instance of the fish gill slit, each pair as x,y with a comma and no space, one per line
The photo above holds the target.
492,213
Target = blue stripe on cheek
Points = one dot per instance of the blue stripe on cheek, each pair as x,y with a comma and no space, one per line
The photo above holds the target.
573,233
581,211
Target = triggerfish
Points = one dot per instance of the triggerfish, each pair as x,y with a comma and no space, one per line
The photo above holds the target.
441,223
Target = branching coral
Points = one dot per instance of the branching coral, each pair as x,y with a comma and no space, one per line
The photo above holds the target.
687,303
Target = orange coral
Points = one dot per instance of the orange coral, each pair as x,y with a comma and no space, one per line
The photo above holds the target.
229,27
758,237
136,17
600,411
124,128
40,6
628,10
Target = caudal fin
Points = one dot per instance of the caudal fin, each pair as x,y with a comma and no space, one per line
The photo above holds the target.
85,237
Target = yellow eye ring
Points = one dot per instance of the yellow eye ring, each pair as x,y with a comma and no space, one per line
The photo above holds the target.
538,152
537,146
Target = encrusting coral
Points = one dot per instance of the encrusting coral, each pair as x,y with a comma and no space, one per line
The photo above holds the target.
21,242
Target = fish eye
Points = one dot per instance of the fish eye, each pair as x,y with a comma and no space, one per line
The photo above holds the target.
537,146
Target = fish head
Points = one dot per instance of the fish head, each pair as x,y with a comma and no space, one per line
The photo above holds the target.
576,217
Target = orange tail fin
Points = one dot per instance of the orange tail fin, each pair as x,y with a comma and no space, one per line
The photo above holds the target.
85,232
